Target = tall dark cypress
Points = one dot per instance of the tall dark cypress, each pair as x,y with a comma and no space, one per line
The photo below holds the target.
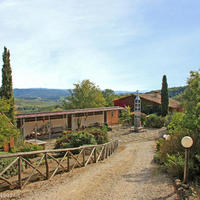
7,88
164,97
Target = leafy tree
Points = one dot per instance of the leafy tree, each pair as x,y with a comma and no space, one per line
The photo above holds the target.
84,95
6,88
109,96
126,118
4,106
191,102
164,97
7,130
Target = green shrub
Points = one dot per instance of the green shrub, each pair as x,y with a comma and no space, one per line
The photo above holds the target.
157,158
175,164
170,147
125,117
12,171
75,139
159,143
100,135
143,118
176,122
106,127
7,130
81,138
154,121
26,147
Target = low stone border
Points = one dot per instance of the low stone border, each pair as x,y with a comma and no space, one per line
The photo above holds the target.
185,191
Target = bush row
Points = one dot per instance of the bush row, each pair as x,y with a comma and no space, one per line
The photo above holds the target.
89,136
154,121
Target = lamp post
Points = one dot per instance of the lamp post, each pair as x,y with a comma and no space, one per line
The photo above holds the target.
187,143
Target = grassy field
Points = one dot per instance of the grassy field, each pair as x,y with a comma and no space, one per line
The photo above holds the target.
36,105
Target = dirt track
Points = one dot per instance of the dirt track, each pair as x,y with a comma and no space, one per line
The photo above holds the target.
128,174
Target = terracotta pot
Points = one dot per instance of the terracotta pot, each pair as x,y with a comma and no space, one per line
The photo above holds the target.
6,147
12,142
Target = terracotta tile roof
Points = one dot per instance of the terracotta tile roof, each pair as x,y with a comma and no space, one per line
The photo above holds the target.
156,98
75,111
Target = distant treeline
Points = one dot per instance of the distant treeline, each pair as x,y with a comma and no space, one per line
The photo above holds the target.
174,92
48,94
44,93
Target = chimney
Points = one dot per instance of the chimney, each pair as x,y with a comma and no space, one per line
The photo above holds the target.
156,93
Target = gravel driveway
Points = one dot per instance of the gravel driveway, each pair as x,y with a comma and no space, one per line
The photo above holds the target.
128,174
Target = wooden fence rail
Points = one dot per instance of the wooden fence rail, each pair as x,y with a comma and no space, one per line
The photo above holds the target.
51,162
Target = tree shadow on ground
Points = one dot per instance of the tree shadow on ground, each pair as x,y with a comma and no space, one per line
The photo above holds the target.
166,197
146,176
151,176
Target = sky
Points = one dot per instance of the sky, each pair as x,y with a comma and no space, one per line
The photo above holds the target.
118,44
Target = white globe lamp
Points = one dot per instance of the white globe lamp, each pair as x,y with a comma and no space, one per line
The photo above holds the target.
187,143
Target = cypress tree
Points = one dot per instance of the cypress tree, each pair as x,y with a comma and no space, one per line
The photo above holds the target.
7,88
164,97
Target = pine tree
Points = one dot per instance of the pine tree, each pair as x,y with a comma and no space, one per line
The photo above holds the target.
6,88
164,97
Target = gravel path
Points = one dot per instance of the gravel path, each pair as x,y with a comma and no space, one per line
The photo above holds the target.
128,174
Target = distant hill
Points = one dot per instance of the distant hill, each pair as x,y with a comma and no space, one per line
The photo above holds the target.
49,94
44,93
56,94
123,92
174,91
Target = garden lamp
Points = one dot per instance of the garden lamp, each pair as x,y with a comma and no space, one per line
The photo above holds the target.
187,143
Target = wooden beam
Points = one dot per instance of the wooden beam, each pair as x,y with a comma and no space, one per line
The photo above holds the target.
76,159
59,165
4,179
68,163
20,172
56,161
47,166
83,157
34,168
90,156
99,156
95,154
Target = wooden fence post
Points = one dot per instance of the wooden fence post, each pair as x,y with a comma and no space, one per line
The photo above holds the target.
47,166
106,151
20,172
103,153
95,155
68,166
83,157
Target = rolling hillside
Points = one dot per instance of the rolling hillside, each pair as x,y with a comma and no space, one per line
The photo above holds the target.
44,93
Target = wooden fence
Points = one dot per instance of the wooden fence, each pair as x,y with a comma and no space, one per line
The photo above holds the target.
41,165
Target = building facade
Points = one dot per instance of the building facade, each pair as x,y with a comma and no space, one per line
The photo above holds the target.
150,103
48,123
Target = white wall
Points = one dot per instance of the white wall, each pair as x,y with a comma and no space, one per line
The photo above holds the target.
87,120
